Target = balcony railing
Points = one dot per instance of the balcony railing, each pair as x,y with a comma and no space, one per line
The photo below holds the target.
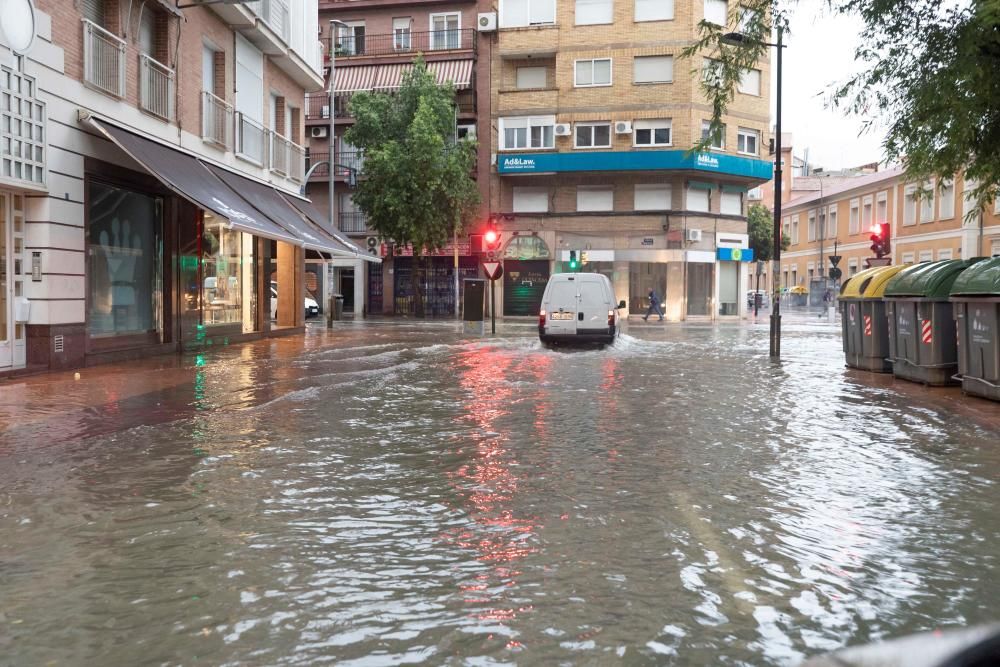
103,60
387,44
156,87
346,161
287,157
353,222
251,140
318,105
275,14
216,121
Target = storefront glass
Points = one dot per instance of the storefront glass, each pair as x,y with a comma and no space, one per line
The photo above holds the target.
124,261
641,277
729,283
226,271
699,288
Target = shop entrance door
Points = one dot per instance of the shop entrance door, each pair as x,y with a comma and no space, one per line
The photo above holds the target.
12,335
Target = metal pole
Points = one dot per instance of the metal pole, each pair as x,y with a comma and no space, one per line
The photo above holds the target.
454,243
776,262
493,307
332,128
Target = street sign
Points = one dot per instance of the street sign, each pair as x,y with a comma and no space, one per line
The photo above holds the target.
835,259
835,273
493,270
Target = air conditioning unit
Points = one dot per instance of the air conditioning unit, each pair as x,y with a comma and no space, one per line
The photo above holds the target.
487,22
623,127
318,131
693,235
563,130
373,245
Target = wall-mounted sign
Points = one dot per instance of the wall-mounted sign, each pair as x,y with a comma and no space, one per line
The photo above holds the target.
535,163
735,254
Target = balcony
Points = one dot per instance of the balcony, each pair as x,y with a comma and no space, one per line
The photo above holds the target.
156,88
276,15
346,161
103,60
318,104
287,158
352,222
251,140
403,44
216,121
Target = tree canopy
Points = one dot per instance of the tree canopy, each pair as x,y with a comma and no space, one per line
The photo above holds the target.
760,227
927,71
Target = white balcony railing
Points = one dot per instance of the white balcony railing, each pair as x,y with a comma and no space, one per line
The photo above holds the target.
216,121
296,162
287,158
276,15
103,60
156,87
251,140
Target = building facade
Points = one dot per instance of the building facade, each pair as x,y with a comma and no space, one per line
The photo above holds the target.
372,45
149,194
593,113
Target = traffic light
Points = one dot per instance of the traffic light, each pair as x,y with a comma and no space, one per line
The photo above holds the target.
491,238
583,257
574,264
885,233
876,239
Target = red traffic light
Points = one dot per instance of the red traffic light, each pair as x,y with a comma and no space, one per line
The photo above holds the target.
491,236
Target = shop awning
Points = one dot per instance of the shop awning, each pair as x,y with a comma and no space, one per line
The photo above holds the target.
267,200
189,178
458,72
352,79
319,220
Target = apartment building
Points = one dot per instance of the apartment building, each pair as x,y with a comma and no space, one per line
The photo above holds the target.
369,48
593,114
152,158
929,221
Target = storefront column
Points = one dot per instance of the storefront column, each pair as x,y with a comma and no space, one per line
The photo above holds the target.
291,262
676,304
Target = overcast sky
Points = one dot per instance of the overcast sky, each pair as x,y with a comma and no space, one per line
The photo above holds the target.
821,52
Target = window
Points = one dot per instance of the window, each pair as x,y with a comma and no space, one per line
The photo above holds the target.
401,33
531,77
866,214
654,10
731,203
854,221
852,266
946,207
926,255
514,13
652,132
93,10
831,222
698,198
593,135
592,12
786,227
652,197
531,200
821,224
795,229
208,69
927,202
593,72
716,11
882,210
446,31
750,82
747,17
528,132
910,205
944,254
711,71
718,142
351,39
594,199
147,32
654,69
747,141
755,194
907,258
811,227
465,131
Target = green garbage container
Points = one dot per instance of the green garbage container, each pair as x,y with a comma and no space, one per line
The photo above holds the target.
976,299
922,343
863,326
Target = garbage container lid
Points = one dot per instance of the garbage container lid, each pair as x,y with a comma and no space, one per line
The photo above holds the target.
981,278
870,283
931,280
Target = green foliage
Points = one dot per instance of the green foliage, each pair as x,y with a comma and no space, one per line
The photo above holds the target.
760,227
417,186
928,74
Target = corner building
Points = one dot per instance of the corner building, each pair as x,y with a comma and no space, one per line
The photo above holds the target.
593,114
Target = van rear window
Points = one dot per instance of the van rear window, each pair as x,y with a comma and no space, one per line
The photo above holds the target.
591,292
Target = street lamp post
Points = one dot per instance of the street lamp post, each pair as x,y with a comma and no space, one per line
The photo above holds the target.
739,39
332,130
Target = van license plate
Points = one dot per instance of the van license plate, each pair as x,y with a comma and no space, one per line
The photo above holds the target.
563,316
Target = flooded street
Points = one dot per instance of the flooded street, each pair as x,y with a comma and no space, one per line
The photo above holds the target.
393,492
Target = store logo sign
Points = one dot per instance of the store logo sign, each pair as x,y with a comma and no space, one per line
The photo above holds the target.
518,164
707,161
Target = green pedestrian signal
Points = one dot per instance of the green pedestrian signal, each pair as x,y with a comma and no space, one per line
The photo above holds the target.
574,263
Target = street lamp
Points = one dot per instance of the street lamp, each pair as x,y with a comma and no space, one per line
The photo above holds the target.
739,39
332,130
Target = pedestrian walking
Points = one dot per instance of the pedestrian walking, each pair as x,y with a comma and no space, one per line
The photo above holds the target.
654,306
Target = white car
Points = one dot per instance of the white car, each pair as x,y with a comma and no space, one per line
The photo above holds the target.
311,307
579,308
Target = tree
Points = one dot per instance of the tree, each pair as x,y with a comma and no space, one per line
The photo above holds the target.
417,188
760,227
928,74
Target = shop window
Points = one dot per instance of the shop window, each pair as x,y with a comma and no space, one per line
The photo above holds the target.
643,276
699,288
526,247
124,262
226,274
729,284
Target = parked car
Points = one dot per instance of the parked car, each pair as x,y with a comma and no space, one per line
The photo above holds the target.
764,298
579,308
311,307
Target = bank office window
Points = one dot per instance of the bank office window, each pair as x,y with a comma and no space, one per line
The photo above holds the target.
518,13
531,200
594,198
747,141
124,261
595,72
653,69
698,196
719,141
592,135
654,132
593,12
654,10
527,132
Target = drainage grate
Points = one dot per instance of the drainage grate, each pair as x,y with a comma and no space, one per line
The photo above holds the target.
57,343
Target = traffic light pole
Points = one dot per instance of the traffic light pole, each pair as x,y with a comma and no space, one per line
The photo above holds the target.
775,334
493,307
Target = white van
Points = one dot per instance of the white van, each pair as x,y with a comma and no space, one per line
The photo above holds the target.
578,308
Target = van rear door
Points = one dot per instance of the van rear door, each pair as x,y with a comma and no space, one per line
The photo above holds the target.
561,304
593,305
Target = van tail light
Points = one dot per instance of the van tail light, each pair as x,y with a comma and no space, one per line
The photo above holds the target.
541,318
611,318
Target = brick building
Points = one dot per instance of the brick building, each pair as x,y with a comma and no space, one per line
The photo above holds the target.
149,190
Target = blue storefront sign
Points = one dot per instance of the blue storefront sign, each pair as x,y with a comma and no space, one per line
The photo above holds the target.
735,254
716,163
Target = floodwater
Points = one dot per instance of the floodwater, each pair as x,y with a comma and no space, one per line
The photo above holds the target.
392,493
